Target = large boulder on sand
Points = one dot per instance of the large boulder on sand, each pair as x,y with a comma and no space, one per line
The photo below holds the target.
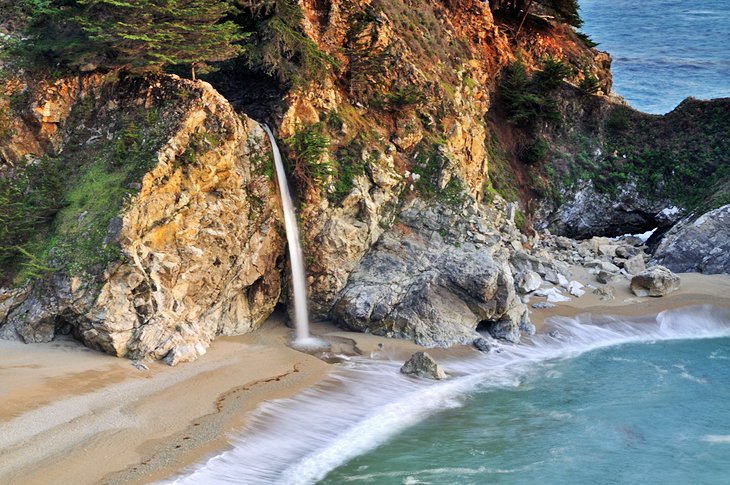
420,282
701,245
656,281
422,365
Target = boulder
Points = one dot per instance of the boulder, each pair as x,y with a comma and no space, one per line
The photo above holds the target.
605,276
422,365
697,244
484,345
553,295
635,265
606,293
627,252
588,212
417,283
527,281
576,289
657,281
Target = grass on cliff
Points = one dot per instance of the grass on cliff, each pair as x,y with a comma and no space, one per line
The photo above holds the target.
682,156
57,212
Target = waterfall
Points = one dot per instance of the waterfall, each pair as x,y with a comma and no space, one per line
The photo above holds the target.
295,248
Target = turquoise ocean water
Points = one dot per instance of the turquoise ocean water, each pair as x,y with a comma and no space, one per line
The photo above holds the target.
663,50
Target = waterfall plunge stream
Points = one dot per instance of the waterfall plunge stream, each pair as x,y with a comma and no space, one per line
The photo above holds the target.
299,284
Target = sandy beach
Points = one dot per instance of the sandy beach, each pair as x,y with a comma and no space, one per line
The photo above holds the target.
73,415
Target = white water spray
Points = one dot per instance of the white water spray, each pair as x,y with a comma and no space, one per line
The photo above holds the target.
301,316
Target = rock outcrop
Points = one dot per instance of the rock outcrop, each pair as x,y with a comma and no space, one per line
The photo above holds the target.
656,281
697,245
433,281
199,243
587,213
423,365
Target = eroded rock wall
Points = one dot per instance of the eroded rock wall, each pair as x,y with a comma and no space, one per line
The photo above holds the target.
201,244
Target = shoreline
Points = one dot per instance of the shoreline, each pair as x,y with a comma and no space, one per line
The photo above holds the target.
74,415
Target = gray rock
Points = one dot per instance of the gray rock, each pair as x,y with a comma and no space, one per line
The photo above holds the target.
426,289
484,345
504,330
576,289
587,212
527,281
541,305
635,265
527,327
606,293
605,277
697,245
656,281
627,252
422,365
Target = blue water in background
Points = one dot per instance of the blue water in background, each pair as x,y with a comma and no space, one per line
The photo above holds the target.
663,50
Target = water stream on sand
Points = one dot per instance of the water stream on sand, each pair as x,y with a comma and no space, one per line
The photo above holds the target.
299,284
612,401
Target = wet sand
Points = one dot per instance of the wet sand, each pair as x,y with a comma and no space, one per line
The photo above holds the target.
73,415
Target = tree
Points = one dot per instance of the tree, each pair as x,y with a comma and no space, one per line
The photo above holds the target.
137,35
280,47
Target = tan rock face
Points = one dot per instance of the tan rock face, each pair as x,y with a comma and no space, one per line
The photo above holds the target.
200,243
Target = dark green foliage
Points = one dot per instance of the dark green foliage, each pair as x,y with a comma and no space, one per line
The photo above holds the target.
536,151
428,164
526,101
279,47
28,202
489,192
367,63
552,74
590,83
586,39
520,220
140,35
403,98
618,120
566,10
349,164
306,149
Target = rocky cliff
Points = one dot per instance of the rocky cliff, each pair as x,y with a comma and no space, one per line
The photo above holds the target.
417,177
191,250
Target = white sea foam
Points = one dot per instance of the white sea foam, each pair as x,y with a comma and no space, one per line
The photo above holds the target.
717,438
365,402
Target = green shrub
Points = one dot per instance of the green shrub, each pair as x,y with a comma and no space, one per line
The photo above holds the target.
307,147
348,165
490,193
279,46
586,39
520,220
552,74
525,101
618,120
590,83
536,151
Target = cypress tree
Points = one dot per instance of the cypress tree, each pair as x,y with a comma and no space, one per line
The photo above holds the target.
137,35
